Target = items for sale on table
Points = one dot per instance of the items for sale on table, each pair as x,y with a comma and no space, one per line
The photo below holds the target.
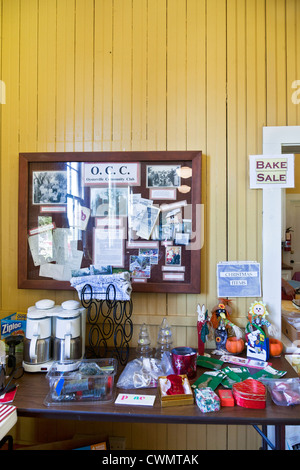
234,345
232,376
202,327
250,393
259,345
284,392
220,320
243,361
209,362
92,381
143,348
184,361
209,379
144,372
207,400
175,390
226,398
164,339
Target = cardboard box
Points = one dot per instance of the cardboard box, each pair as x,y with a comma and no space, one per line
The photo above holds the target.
14,324
294,360
176,400
288,329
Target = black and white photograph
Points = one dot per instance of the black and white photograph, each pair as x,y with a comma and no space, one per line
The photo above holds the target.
163,176
49,187
109,202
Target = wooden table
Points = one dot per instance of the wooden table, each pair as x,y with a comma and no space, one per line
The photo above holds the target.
33,388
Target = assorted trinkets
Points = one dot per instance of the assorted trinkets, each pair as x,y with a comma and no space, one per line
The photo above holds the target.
256,337
221,322
202,328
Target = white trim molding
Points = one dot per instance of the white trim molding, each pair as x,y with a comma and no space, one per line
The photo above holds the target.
274,138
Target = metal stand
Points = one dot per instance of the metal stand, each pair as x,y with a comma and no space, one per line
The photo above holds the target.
279,437
9,440
109,318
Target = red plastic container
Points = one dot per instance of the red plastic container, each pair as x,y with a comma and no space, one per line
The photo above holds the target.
184,361
250,394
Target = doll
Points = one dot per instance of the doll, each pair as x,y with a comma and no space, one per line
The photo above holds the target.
220,321
256,337
202,328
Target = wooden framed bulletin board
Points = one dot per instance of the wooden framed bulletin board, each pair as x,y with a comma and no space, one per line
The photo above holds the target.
102,212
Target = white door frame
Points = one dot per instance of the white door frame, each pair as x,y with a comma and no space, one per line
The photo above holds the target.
274,138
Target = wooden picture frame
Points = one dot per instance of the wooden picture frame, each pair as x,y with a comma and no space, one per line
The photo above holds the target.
57,225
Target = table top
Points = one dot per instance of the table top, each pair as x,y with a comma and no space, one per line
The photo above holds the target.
33,388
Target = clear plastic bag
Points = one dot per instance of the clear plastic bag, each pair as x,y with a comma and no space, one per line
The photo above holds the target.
284,392
144,372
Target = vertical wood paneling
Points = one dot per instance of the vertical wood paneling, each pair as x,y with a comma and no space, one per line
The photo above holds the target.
46,76
156,75
216,126
293,60
236,109
28,75
122,75
149,75
176,75
276,62
103,75
9,151
84,75
65,77
139,73
246,116
2,91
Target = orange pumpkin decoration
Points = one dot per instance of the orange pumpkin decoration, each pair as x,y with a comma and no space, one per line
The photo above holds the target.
235,345
275,347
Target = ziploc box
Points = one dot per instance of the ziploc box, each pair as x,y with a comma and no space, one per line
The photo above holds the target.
14,325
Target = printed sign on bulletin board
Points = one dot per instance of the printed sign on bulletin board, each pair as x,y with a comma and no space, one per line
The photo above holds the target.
238,279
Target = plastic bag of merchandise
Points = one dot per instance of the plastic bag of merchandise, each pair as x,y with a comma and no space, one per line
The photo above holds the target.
284,392
144,372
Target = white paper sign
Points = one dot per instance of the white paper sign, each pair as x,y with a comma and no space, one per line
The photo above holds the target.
238,279
114,173
271,171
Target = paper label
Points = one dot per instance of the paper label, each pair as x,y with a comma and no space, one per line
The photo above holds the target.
132,399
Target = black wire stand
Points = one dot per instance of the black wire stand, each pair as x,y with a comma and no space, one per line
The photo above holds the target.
109,318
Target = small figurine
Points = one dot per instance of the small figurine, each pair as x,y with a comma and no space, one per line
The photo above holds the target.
164,339
256,338
144,344
221,322
202,328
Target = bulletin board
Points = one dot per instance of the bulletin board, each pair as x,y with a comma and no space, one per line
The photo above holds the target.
105,212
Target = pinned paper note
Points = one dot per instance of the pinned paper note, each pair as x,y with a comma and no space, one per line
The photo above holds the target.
132,399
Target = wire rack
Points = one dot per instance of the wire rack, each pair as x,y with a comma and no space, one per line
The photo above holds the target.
109,324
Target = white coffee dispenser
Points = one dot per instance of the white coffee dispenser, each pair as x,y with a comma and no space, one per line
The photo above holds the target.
38,338
69,332
54,333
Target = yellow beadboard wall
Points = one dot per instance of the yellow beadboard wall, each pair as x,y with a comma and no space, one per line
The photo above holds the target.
84,75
